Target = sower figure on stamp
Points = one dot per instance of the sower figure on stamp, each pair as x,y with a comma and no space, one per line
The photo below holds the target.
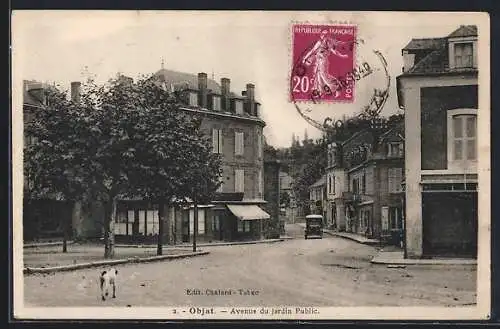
324,82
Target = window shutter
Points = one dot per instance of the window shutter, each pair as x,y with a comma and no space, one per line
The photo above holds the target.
215,140
239,180
238,143
219,137
242,143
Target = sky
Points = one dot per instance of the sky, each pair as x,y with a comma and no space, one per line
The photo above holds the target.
247,47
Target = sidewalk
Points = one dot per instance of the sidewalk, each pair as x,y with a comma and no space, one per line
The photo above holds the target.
211,244
49,259
397,258
353,237
46,244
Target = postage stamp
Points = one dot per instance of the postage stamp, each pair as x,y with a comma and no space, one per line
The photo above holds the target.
323,63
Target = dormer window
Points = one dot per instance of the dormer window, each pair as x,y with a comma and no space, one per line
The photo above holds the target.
463,55
238,104
395,150
216,103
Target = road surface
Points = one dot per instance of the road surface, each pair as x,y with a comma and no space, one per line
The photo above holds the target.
322,272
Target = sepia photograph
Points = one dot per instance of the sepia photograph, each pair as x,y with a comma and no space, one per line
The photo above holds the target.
265,165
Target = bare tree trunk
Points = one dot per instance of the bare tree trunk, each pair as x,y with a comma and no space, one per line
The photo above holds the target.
161,220
109,234
65,236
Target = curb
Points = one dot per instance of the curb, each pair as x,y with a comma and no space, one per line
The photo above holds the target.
205,244
421,262
369,243
46,244
33,270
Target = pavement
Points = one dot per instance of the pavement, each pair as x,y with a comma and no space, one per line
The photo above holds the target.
355,237
397,258
332,271
48,257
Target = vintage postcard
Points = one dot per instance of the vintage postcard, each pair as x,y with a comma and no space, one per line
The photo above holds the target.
251,165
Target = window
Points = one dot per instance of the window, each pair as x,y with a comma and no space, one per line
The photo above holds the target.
333,184
395,218
395,177
216,223
216,103
257,110
355,186
193,99
238,104
395,150
239,139
464,137
243,226
217,140
363,184
259,145
239,180
201,221
462,132
463,55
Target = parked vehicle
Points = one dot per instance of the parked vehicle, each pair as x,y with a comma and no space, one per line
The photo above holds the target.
314,227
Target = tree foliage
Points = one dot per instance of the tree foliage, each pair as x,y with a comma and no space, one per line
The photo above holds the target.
122,139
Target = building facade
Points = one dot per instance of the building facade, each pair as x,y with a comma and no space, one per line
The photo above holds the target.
48,217
364,184
317,198
234,125
438,91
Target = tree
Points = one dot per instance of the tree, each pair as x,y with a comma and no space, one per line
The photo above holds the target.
285,199
177,164
54,156
122,139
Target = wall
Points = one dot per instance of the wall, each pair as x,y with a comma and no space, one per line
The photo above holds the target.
272,196
410,90
251,161
435,101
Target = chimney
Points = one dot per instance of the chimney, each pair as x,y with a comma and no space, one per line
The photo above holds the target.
225,91
202,90
250,95
250,92
37,90
75,91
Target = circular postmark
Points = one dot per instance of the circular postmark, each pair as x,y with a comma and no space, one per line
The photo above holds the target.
335,72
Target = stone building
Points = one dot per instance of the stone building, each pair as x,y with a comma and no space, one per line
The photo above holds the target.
438,90
364,183
234,124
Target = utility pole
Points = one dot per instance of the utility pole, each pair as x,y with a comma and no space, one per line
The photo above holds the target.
195,226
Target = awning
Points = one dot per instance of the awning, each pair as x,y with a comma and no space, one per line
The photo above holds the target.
248,212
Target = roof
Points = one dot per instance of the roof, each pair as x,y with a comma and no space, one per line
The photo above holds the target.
436,61
319,182
396,133
177,78
464,31
428,43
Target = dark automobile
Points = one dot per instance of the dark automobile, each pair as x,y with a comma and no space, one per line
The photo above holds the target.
314,227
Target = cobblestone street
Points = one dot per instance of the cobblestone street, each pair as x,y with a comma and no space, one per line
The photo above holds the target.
325,272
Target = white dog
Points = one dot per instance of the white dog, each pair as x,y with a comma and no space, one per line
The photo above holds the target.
108,280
